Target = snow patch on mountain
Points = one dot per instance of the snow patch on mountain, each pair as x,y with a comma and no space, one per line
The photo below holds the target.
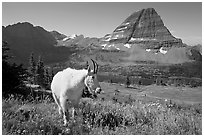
148,50
104,45
73,36
66,38
141,39
162,51
70,37
127,45
121,29
127,23
107,37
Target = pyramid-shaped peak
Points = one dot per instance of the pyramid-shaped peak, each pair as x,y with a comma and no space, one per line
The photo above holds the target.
144,26
147,10
150,9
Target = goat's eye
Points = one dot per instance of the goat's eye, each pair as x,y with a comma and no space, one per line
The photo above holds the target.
92,77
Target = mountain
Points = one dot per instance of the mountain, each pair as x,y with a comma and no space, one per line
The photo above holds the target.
144,27
198,47
195,52
78,41
141,37
24,38
145,37
57,35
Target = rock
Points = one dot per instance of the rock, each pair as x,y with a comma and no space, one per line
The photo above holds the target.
57,35
143,27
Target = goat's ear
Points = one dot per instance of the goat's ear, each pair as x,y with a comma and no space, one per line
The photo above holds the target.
89,69
87,64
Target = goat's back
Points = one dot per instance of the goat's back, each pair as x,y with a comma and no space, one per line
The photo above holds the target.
67,79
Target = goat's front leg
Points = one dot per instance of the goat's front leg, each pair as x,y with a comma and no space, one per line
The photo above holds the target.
75,108
73,112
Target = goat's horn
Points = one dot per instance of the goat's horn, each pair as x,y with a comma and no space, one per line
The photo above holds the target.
94,65
96,70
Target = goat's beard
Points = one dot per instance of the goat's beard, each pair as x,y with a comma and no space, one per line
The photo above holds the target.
87,94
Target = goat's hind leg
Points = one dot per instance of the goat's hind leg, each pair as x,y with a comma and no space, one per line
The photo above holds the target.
58,103
64,110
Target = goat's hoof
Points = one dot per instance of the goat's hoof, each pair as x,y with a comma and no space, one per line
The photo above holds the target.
65,123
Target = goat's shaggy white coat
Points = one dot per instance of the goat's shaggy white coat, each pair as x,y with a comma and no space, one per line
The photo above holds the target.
69,84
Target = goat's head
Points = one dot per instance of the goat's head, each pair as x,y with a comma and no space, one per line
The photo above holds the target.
91,80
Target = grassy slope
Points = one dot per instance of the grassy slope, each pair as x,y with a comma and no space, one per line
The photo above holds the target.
131,111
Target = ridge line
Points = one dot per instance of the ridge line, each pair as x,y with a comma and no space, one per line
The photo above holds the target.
136,23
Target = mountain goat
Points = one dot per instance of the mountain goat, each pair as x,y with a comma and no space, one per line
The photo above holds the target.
69,84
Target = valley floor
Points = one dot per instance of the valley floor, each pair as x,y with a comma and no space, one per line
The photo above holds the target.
178,94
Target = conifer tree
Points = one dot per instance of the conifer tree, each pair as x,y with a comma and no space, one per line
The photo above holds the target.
46,78
5,49
51,75
32,68
13,76
40,72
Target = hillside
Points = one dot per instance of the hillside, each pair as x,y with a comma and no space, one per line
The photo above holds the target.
57,35
28,38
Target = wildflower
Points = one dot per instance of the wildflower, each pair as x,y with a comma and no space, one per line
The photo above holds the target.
157,104
19,131
67,130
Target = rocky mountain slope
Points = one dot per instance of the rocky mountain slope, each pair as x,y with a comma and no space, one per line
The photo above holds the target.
78,41
144,27
145,37
57,35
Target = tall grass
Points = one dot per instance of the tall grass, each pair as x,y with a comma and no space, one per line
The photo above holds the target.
100,117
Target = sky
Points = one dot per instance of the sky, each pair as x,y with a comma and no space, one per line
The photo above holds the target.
183,19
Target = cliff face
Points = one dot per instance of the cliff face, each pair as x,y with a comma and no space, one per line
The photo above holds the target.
143,27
